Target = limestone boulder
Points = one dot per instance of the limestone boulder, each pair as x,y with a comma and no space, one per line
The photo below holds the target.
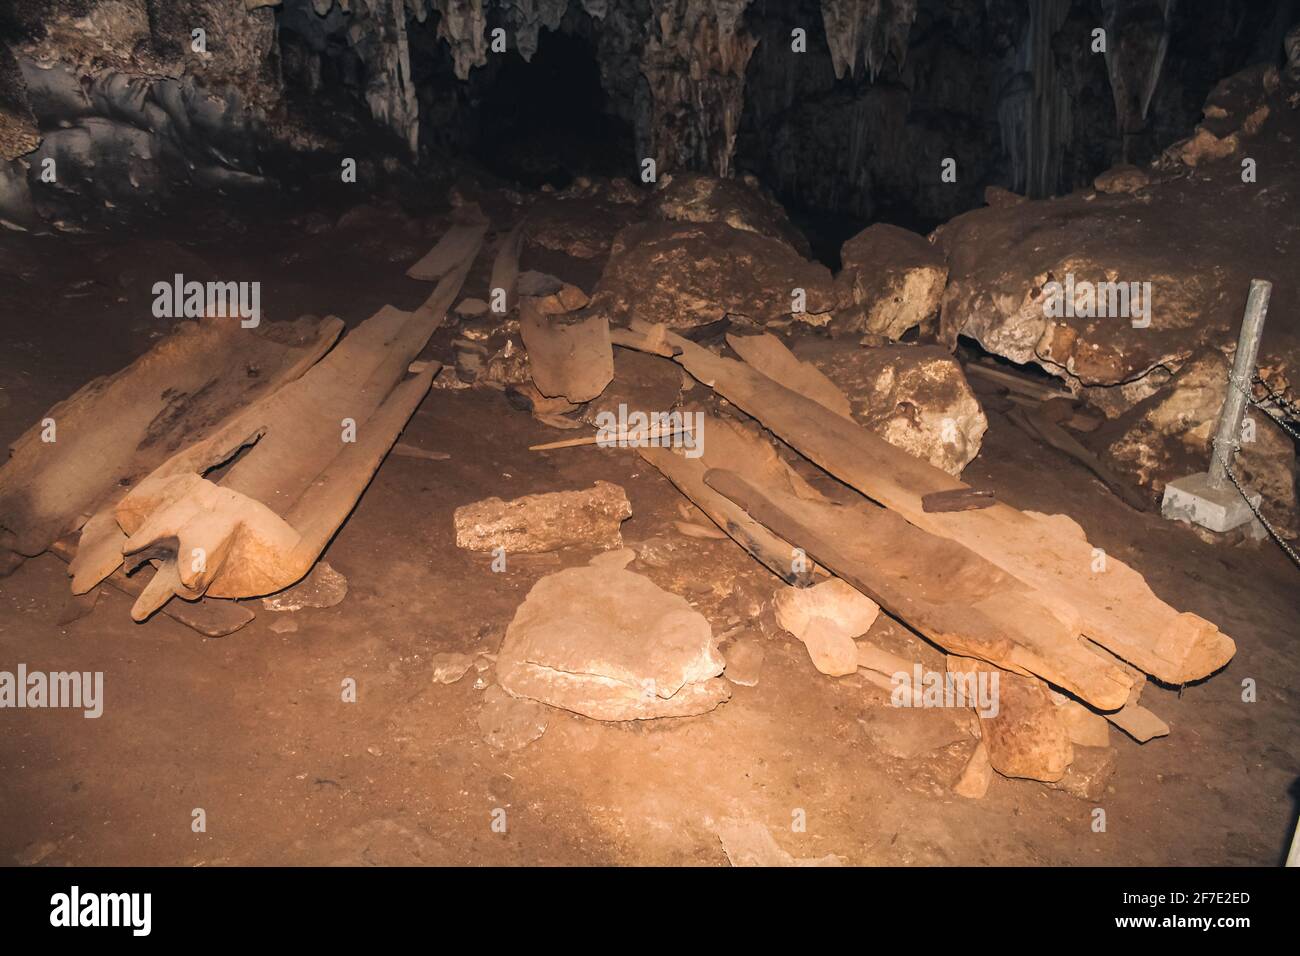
1183,234
916,397
1026,736
739,203
891,280
688,274
545,522
607,643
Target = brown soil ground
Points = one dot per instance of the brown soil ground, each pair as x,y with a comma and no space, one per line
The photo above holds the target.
252,728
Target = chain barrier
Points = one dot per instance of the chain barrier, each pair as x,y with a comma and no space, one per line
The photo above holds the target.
1289,410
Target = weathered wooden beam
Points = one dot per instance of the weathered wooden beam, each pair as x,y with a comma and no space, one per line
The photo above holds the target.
1051,554
949,594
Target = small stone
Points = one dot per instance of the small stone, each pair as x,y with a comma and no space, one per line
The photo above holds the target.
826,617
322,587
1089,773
744,662
977,775
1122,178
610,644
284,625
471,308
450,666
509,723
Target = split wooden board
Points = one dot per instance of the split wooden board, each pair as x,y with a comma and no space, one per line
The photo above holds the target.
292,467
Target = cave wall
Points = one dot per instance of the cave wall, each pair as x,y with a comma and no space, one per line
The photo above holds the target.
857,125
1010,89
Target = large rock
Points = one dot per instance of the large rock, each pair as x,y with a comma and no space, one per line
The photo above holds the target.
1026,737
545,522
609,644
891,281
692,274
916,397
1168,436
739,203
581,225
1187,235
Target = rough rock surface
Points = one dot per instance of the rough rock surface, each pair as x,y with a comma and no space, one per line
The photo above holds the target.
508,723
891,281
450,666
322,587
916,397
1168,436
1026,738
1000,258
692,274
545,522
740,203
582,226
607,643
826,618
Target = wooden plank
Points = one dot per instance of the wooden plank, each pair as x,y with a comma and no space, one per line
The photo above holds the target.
465,236
727,443
1036,425
769,355
951,595
1051,554
570,358
505,269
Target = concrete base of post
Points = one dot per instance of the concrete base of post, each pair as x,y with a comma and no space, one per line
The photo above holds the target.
1194,499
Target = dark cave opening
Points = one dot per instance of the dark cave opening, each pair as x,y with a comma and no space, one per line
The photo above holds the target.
545,121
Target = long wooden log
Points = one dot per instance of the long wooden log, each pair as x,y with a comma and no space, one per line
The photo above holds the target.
955,598
1051,554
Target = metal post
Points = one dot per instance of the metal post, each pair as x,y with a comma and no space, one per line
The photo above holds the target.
1227,438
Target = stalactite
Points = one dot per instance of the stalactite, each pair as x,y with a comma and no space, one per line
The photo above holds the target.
463,24
872,28
1137,42
694,60
527,17
1034,105
380,39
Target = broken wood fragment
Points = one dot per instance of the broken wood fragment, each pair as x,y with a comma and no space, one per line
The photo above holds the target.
1038,425
403,450
572,358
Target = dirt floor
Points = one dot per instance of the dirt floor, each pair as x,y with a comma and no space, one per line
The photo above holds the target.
252,728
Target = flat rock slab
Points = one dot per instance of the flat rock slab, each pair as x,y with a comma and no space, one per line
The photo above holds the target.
322,587
508,723
610,644
545,522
